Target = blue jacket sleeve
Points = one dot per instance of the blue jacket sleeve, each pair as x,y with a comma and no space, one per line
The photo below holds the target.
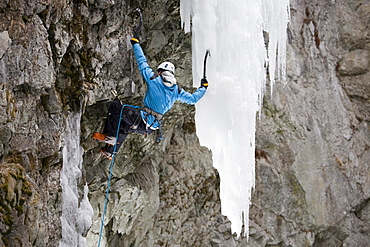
145,70
191,99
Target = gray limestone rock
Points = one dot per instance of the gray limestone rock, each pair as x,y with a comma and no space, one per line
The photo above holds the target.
5,42
312,142
354,63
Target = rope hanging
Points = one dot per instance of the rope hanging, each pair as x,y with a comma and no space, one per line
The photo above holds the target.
111,170
110,177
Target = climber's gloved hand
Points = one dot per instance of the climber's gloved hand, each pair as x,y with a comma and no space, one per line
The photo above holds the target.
204,83
134,40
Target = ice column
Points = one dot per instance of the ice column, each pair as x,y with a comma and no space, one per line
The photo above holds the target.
226,116
76,216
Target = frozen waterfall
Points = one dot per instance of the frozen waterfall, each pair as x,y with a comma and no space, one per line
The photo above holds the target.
236,71
77,212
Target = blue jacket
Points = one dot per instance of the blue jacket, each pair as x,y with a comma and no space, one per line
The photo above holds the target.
159,97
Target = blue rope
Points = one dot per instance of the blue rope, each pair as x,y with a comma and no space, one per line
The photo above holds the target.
110,176
110,173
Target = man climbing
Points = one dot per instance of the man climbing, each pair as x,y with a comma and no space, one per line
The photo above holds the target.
162,92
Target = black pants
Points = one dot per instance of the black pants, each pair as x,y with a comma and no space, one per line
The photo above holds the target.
131,122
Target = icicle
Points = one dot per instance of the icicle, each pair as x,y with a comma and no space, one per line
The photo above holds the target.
76,217
225,118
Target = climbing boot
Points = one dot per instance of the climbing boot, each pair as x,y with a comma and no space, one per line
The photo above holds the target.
106,154
104,138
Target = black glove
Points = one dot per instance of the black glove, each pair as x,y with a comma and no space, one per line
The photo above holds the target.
134,40
204,83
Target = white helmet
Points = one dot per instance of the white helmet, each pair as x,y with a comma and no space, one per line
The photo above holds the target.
167,66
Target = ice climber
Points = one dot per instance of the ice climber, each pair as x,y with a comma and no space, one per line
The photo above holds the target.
162,92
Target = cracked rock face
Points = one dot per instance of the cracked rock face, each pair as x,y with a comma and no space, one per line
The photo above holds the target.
313,147
313,137
58,57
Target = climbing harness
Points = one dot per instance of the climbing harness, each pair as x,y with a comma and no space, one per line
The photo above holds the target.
155,114
158,118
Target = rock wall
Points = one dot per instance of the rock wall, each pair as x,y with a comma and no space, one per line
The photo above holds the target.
312,165
313,137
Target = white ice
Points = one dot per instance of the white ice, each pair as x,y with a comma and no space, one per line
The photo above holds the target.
236,71
76,217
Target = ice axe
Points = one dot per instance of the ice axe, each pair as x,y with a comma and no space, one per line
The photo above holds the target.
138,28
208,52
